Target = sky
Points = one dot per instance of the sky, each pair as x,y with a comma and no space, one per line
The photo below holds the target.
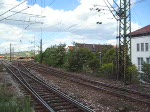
62,21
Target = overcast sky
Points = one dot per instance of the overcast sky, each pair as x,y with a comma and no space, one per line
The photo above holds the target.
62,21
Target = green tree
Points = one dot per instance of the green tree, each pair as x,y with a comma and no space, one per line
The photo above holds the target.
106,70
132,74
104,49
54,55
146,70
94,64
37,57
80,59
109,56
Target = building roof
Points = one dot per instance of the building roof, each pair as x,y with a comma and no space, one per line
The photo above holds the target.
141,32
71,48
92,47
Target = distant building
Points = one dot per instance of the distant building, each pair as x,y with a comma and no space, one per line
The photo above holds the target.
1,56
71,48
92,47
140,46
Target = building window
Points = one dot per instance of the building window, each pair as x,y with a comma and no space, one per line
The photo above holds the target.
142,46
146,46
138,47
148,60
140,62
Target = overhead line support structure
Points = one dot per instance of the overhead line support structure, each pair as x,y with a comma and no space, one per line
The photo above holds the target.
123,50
41,56
124,40
10,52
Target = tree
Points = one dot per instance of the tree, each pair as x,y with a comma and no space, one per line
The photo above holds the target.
94,64
146,70
37,57
109,56
104,49
80,59
54,55
132,74
107,70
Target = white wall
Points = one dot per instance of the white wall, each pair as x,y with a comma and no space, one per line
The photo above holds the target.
134,53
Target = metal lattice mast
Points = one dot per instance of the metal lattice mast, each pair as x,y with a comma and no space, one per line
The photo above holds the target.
124,39
123,50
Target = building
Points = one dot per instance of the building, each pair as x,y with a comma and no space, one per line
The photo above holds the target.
93,47
71,48
140,46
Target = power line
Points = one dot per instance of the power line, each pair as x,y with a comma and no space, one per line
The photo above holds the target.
139,1
30,14
51,2
33,22
14,14
13,8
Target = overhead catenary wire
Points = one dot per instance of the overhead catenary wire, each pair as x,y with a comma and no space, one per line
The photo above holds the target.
14,13
40,16
51,2
13,8
31,22
110,9
139,1
138,20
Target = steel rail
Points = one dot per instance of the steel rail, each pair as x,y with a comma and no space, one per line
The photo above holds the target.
110,91
100,83
78,104
27,86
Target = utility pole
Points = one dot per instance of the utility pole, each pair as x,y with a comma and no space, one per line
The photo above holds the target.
100,54
41,51
34,47
10,52
123,55
13,53
124,40
41,48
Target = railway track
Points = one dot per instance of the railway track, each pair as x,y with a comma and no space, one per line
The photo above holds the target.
46,98
113,90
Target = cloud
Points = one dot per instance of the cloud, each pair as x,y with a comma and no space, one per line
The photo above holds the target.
79,24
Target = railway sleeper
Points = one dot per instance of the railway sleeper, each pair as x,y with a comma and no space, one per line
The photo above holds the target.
51,98
47,94
60,104
56,101
71,110
65,107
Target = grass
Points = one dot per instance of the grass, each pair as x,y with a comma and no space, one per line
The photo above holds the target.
1,67
10,103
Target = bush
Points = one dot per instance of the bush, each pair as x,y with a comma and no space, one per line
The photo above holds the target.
37,58
81,60
107,70
132,74
109,56
146,70
9,103
94,64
